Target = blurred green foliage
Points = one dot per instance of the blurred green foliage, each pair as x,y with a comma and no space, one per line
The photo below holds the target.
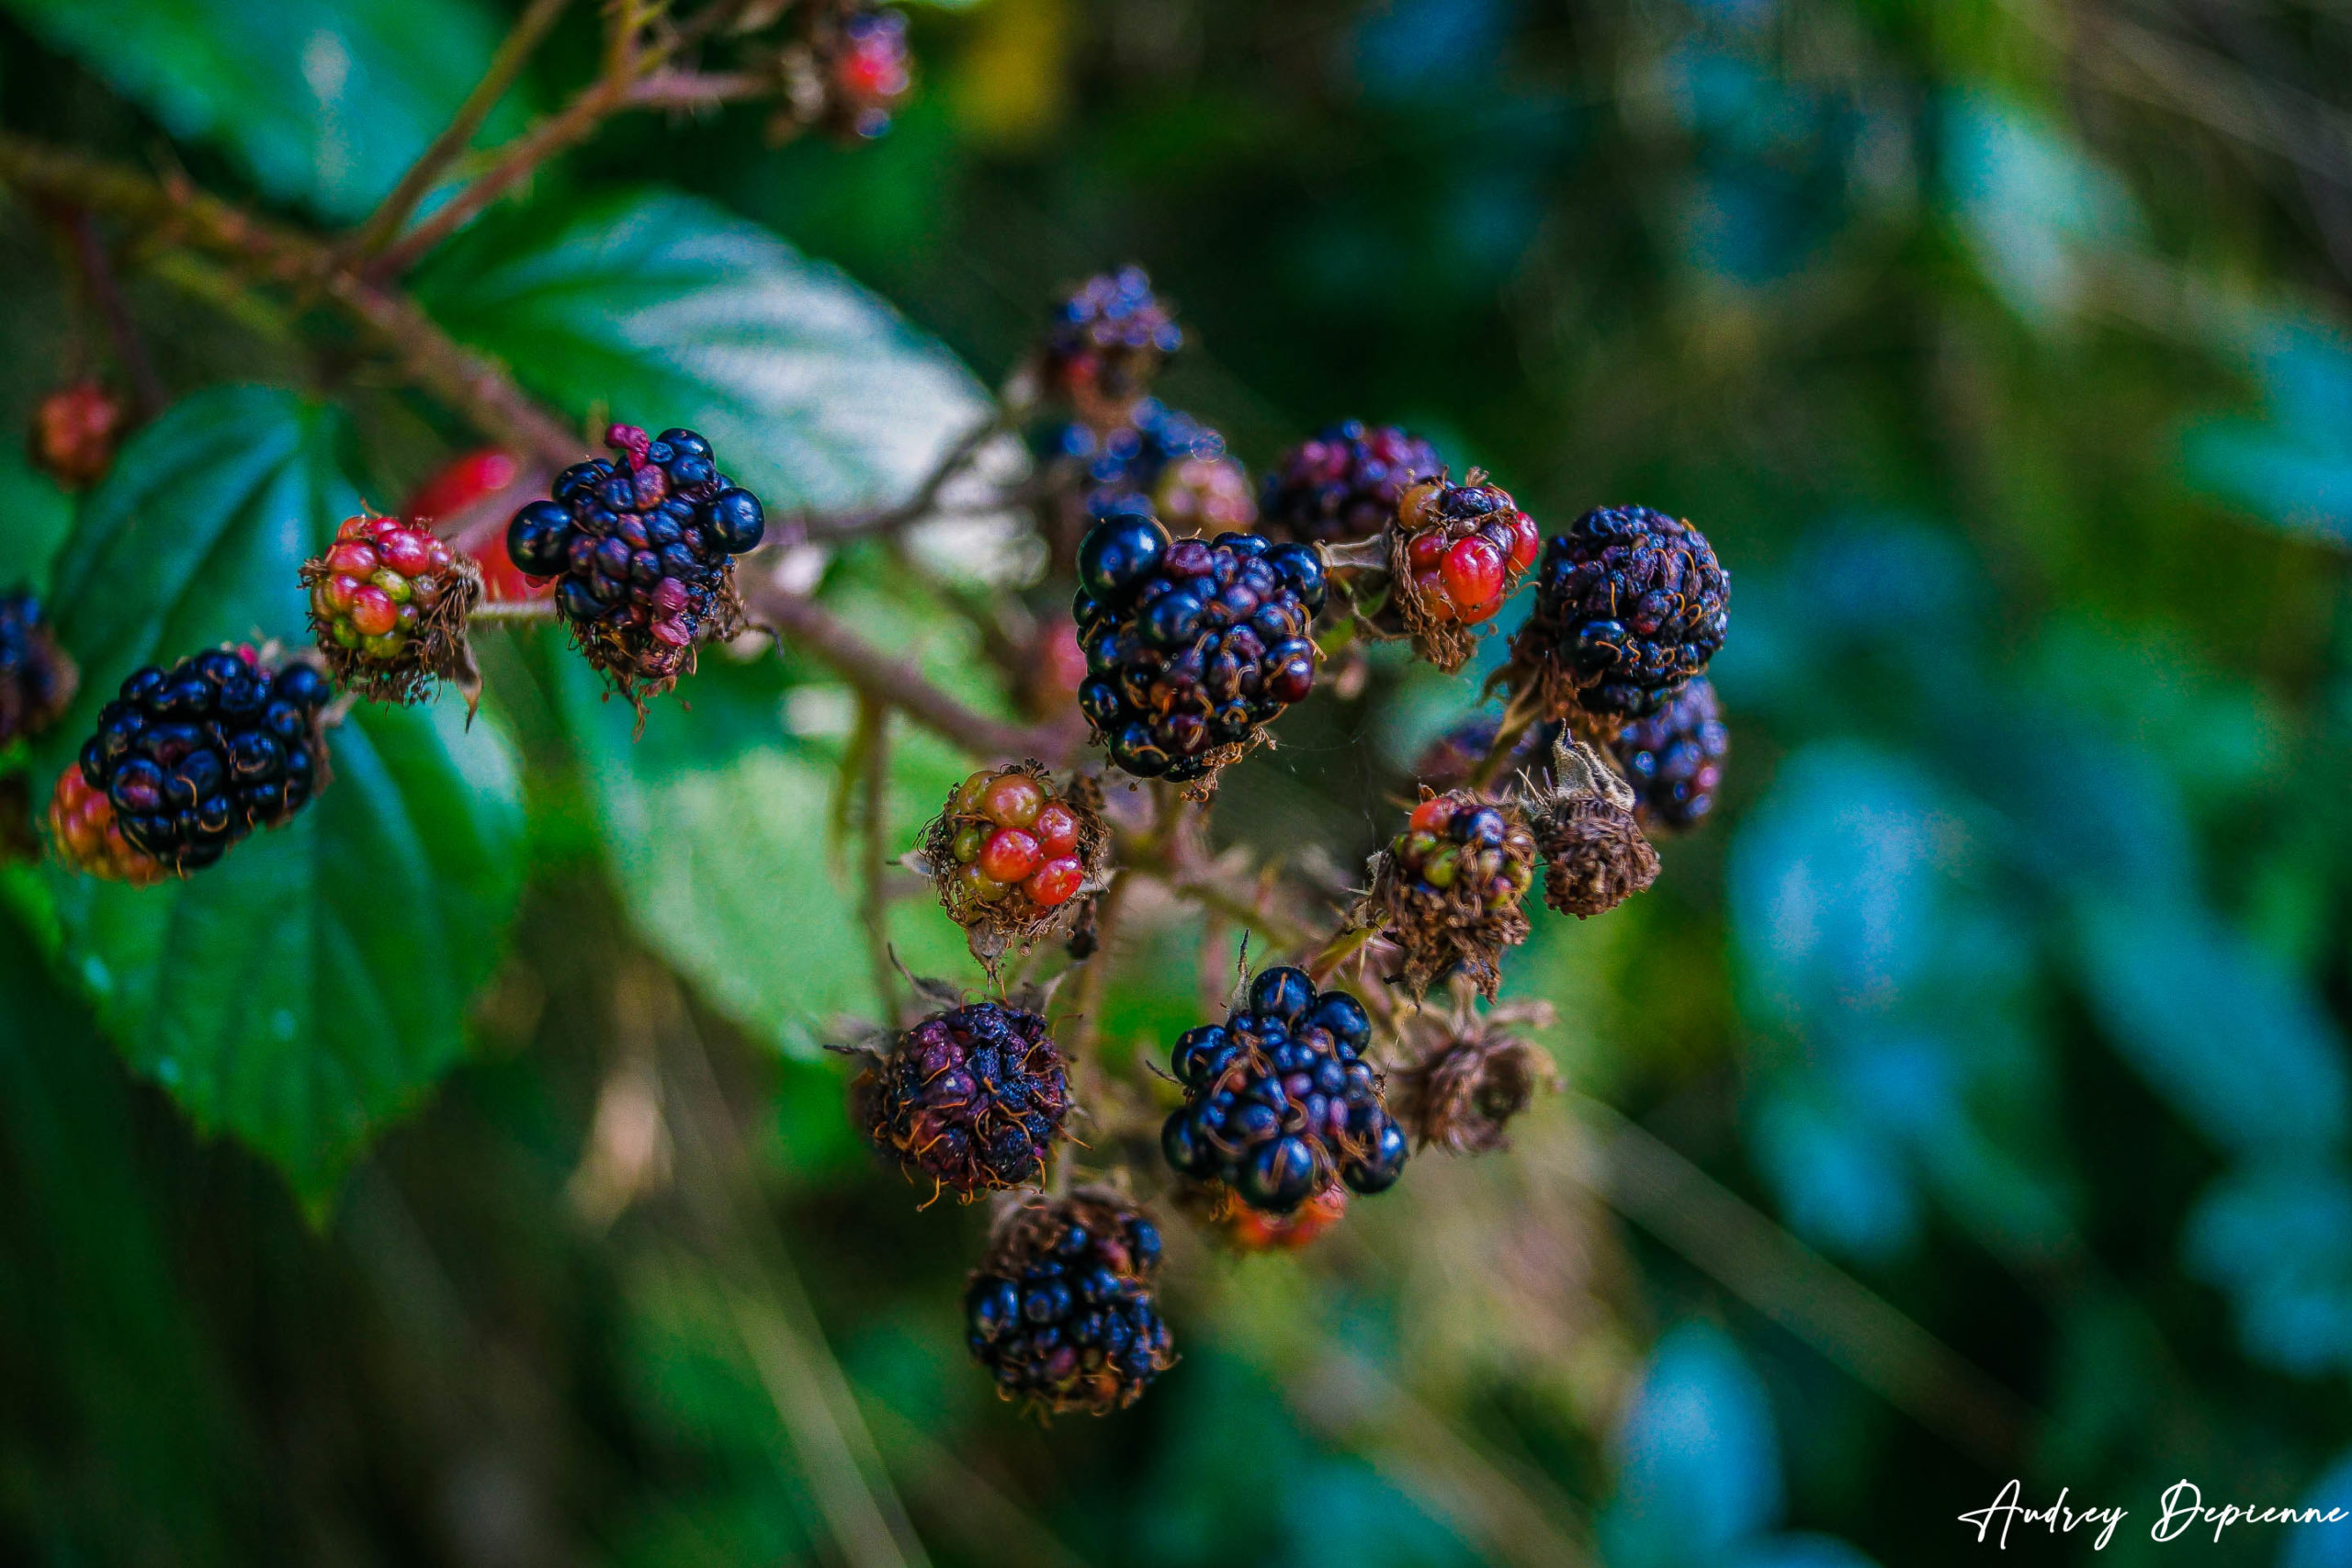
2003,349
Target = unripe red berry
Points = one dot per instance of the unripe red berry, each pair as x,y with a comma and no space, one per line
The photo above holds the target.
1473,574
1056,882
1013,800
1057,830
1011,855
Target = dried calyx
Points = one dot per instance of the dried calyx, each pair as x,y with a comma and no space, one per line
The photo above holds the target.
1594,854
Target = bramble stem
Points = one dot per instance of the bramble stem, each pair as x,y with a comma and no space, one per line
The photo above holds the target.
873,742
105,293
504,66
511,610
1518,717
925,498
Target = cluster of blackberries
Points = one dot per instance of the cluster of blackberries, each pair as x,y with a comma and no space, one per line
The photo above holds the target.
37,678
1191,645
973,1097
1345,483
1674,759
1448,889
193,758
1105,340
644,547
1630,605
1062,1314
1279,1101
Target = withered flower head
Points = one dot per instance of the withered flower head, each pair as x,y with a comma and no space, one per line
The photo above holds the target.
1594,854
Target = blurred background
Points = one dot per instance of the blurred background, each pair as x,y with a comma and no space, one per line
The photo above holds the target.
1968,1100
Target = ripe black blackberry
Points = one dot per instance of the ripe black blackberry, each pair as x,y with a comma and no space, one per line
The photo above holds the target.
1061,1311
1343,484
1279,1101
1192,646
1106,340
645,546
1447,890
972,1097
36,678
1630,605
1674,759
193,758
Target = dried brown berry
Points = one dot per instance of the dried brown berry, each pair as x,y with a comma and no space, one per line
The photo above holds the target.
1594,854
1447,890
1474,1077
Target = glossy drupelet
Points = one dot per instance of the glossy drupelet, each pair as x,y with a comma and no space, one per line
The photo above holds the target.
645,546
1279,1101
193,758
972,1097
1674,759
1630,605
1062,1312
1345,483
1192,646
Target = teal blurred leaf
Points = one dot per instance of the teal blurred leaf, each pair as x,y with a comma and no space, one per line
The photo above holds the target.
2277,1238
315,984
1699,1464
1880,956
2318,1545
2236,1042
2293,467
667,310
320,101
2035,207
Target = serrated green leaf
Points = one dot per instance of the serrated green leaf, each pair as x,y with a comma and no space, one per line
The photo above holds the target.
315,984
664,310
320,101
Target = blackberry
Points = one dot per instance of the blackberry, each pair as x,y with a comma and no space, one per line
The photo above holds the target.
1594,855
1455,553
36,678
1106,343
1192,646
195,757
1157,459
645,547
972,1097
1448,761
1009,856
863,68
1279,1101
389,604
1061,1311
1674,759
75,432
89,839
1447,890
1630,605
1468,1085
1343,484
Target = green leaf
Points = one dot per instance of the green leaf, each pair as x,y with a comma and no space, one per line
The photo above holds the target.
320,101
314,984
716,826
666,310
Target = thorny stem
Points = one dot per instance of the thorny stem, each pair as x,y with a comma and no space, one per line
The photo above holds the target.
504,66
1094,979
1518,717
129,349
